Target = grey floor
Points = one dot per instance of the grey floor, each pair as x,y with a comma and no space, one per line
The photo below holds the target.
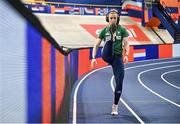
68,32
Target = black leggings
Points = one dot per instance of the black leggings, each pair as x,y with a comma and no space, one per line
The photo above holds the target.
118,71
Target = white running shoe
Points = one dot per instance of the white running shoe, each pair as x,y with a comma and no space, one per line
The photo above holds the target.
114,109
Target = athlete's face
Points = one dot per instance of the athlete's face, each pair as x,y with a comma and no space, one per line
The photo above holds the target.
113,16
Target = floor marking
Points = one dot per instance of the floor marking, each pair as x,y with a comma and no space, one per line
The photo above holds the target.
162,77
75,93
166,99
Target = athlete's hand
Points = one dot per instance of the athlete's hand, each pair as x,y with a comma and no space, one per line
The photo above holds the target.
93,63
125,59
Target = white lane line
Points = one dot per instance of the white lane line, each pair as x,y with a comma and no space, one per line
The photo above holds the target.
162,77
135,115
75,93
157,63
140,81
77,87
152,60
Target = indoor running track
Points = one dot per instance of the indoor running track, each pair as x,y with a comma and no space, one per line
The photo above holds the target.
151,94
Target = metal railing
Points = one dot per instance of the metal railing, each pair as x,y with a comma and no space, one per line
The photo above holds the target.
168,10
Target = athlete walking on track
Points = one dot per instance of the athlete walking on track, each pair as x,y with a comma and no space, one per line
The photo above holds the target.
117,36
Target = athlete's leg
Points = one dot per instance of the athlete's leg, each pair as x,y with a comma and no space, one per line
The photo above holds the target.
118,70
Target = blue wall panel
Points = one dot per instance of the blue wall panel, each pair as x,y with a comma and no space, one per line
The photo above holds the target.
34,75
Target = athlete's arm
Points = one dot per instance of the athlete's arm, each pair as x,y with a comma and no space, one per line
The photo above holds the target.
95,48
126,49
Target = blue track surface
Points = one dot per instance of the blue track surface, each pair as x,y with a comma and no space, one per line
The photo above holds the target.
148,98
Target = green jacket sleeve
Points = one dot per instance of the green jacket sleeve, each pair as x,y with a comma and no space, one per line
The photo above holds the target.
102,33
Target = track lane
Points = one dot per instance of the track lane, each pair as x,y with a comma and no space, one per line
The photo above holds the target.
95,97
